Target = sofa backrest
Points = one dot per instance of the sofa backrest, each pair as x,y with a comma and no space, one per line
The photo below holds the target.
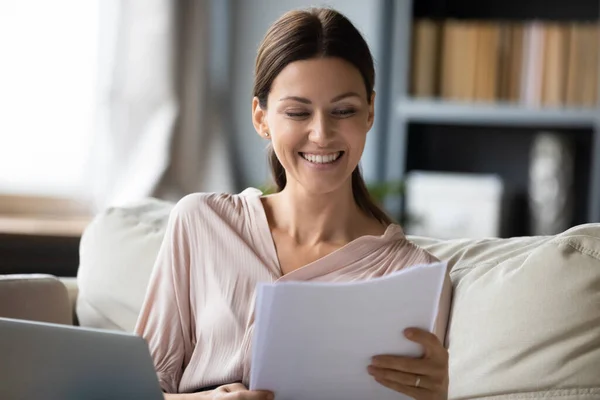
525,319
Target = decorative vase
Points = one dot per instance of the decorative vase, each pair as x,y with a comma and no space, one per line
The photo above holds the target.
550,184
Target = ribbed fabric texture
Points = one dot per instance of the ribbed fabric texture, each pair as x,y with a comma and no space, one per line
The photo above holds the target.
198,313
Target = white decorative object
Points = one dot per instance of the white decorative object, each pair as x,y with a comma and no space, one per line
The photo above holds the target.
550,184
451,205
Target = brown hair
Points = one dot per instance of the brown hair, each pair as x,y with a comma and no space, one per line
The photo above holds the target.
304,34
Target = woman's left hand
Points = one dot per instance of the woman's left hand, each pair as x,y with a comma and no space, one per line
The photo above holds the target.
424,378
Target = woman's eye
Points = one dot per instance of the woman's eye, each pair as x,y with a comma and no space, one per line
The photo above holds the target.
345,112
296,114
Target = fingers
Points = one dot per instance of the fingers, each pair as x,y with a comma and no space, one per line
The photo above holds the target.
430,342
402,378
415,393
232,387
405,371
435,357
401,373
250,395
415,366
237,391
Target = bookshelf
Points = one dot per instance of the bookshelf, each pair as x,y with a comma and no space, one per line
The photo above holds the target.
497,116
500,114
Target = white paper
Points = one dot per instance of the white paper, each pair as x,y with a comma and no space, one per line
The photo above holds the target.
314,340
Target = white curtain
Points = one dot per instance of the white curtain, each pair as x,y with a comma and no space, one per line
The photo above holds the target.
156,134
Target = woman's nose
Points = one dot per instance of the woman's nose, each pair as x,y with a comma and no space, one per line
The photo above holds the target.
321,131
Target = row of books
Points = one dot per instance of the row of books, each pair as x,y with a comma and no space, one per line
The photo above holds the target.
533,63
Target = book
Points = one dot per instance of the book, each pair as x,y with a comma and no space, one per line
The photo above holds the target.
504,61
582,81
459,60
576,55
487,59
315,340
449,59
535,63
515,62
425,61
556,51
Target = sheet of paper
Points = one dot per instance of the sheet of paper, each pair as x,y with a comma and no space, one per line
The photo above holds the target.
314,340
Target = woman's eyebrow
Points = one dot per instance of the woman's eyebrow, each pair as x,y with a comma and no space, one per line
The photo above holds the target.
307,101
296,98
344,95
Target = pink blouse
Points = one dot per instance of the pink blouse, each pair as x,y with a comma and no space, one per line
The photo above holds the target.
198,313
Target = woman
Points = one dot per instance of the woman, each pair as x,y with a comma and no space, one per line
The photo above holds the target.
314,101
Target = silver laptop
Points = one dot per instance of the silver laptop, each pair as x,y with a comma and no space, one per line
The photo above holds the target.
59,362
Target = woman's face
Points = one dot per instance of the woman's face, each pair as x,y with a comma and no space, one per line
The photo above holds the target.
317,117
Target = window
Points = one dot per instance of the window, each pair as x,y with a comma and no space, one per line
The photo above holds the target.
47,94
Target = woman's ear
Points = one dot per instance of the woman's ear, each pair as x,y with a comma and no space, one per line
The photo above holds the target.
371,116
259,119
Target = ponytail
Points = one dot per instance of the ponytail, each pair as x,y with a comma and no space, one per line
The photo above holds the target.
277,170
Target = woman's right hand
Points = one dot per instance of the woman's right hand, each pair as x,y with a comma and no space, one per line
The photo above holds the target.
233,391
237,391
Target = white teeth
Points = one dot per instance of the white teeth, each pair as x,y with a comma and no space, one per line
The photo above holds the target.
321,159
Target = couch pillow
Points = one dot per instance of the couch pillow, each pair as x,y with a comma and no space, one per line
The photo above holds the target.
525,321
117,254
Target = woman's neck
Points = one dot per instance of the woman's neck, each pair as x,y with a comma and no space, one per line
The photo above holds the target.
311,219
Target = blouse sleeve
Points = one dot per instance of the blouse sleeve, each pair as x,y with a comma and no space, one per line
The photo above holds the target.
164,320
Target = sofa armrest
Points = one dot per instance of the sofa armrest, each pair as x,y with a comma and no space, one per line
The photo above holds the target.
35,297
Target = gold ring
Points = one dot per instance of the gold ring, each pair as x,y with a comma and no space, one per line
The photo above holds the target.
418,382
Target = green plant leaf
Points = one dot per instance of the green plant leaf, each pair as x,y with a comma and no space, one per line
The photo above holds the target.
379,190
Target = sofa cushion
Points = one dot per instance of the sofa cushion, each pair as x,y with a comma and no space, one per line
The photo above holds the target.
525,319
117,253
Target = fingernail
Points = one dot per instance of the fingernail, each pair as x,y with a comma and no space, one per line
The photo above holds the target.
408,333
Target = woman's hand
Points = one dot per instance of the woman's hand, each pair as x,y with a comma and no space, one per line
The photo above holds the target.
234,391
237,391
425,378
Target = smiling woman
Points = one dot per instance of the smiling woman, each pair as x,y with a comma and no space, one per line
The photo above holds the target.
320,131
324,67
314,102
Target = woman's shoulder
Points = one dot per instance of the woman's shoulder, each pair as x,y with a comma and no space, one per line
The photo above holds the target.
217,205
406,249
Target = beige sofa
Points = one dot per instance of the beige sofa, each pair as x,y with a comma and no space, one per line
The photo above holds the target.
525,321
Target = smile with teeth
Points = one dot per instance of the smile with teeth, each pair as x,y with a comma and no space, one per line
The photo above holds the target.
321,158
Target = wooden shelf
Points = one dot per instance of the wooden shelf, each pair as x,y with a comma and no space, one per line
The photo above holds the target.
43,216
498,114
43,226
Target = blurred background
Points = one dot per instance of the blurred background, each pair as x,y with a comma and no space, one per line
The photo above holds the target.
487,113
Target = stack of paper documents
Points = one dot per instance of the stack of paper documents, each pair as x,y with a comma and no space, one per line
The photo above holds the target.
314,340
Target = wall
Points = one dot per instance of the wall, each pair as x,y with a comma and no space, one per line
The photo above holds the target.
251,21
